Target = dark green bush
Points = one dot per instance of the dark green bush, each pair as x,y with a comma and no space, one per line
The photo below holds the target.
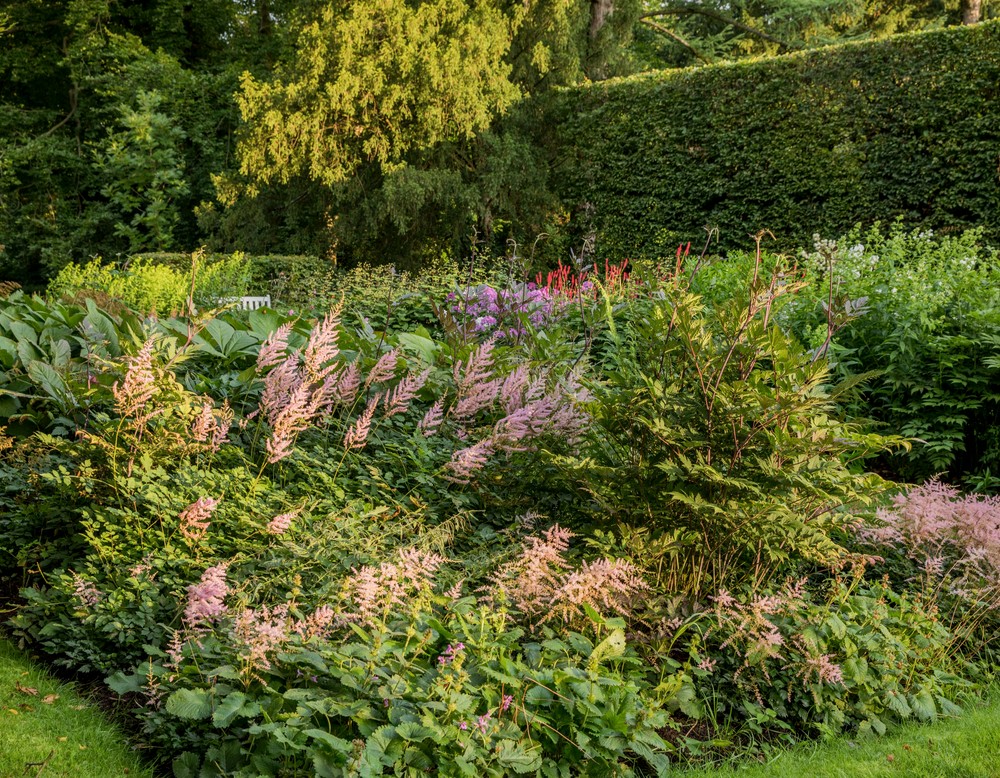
811,142
930,331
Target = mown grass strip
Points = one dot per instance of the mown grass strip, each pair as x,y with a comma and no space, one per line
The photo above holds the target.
47,730
966,747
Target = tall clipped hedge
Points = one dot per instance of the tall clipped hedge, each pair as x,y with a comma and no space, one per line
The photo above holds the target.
812,142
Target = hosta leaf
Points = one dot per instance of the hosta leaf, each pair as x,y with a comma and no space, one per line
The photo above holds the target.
126,684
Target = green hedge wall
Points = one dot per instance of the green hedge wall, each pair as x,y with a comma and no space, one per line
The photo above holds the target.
807,143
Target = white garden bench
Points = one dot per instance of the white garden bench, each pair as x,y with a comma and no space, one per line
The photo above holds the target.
248,303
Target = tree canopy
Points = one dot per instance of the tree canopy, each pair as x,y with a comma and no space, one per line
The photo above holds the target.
376,129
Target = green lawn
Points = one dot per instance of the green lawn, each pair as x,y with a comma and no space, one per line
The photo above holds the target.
967,747
47,730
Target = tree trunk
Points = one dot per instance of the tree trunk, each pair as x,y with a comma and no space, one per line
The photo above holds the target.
600,10
972,11
264,24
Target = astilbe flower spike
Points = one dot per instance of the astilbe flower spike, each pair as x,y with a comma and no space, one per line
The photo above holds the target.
467,461
85,591
291,419
375,590
139,385
954,538
279,524
542,585
357,435
204,423
212,428
399,399
432,419
261,632
206,599
384,369
348,384
194,520
322,349
274,350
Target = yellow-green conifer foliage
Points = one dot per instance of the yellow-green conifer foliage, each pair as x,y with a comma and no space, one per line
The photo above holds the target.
373,80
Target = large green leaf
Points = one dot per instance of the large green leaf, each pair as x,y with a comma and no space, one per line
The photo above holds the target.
189,704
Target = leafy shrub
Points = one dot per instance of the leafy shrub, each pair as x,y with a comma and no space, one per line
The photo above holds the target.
954,544
728,436
52,356
930,329
154,288
395,676
859,657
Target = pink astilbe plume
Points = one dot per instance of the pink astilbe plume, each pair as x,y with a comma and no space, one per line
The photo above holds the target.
384,369
322,350
223,421
520,389
347,385
748,631
375,591
467,461
275,348
203,424
139,385
532,413
816,667
477,397
261,632
85,591
477,389
432,419
279,386
954,538
316,624
212,427
477,369
542,584
607,586
206,600
399,398
357,435
194,520
279,524
288,421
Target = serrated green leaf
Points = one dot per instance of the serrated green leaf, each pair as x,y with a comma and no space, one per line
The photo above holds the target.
189,704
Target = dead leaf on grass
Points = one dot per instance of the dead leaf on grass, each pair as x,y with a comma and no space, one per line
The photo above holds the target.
48,699
25,689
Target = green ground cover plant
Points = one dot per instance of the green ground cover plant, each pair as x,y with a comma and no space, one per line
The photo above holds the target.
49,729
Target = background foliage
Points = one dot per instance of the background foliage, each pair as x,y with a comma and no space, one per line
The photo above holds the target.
812,142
